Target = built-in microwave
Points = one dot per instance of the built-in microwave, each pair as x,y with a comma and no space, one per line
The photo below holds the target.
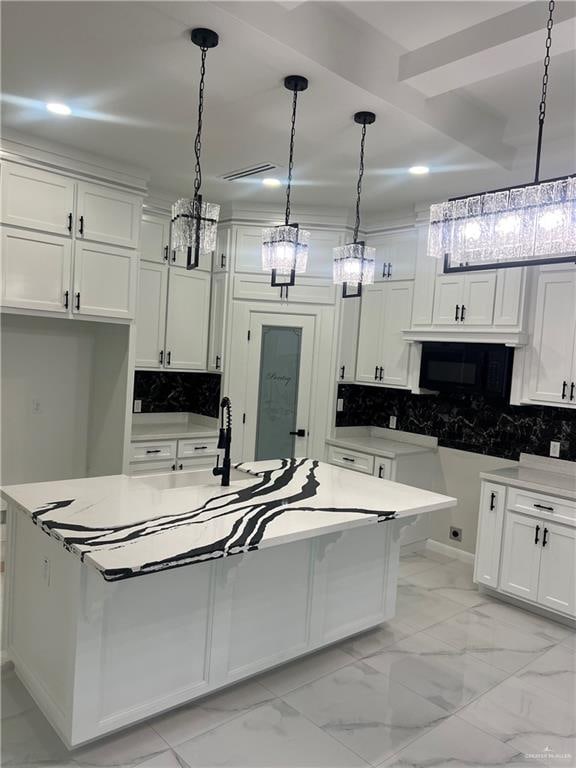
463,367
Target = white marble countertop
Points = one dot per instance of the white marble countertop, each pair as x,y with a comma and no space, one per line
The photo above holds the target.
169,431
127,526
381,442
533,479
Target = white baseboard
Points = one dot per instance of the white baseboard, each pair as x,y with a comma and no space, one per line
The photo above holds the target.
449,551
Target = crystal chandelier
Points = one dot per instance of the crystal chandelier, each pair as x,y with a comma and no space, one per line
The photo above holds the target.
285,247
194,221
519,226
354,262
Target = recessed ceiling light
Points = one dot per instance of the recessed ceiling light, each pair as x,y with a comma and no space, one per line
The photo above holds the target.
58,109
269,182
419,170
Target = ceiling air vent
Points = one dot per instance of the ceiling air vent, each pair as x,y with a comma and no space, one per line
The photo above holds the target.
253,170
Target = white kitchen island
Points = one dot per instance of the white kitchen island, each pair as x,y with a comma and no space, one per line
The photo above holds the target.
128,596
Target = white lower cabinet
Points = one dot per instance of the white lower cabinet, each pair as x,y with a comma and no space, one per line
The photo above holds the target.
384,468
526,553
160,456
36,270
487,561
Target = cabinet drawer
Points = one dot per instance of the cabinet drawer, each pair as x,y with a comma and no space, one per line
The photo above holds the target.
542,506
151,467
198,462
197,447
361,462
153,451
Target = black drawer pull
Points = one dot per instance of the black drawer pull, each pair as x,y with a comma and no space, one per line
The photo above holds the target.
380,470
200,447
544,507
536,539
492,501
545,539
154,450
346,458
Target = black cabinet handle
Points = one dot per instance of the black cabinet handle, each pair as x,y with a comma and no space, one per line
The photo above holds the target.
342,369
81,225
69,222
161,356
389,269
168,358
299,433
384,269
380,469
66,299
200,447
376,373
572,388
457,315
165,253
222,261
78,301
492,501
154,450
545,539
544,507
536,537
173,467
180,466
381,374
346,458
217,364
564,387
463,313
173,256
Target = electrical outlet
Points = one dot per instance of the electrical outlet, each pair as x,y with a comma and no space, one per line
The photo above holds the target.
137,406
455,533
340,404
36,407
555,449
392,422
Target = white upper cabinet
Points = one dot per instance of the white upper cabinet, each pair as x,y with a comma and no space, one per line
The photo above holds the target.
108,215
448,300
509,299
187,319
321,253
552,368
395,254
151,315
383,355
248,248
36,270
104,281
37,199
223,253
465,300
217,317
348,338
155,238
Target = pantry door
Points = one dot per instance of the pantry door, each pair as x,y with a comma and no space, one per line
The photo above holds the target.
279,385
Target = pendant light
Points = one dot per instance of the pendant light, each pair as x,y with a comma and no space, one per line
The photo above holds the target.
514,227
194,221
354,262
285,248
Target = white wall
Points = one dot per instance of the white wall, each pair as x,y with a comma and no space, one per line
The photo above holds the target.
50,361
460,472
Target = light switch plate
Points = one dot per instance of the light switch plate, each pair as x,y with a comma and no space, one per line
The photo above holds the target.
392,422
555,449
137,406
340,404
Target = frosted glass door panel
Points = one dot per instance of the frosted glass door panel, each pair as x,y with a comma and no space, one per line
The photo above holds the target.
278,392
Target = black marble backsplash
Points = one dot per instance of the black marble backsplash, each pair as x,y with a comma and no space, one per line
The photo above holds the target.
468,422
169,392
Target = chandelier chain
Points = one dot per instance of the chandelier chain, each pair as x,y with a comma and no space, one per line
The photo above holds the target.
198,139
359,183
545,78
291,156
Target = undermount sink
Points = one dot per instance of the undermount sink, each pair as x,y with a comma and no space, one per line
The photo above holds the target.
185,479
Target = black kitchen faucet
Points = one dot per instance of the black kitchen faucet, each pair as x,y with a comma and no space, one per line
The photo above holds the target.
224,442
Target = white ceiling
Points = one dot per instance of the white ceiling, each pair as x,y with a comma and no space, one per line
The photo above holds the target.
129,73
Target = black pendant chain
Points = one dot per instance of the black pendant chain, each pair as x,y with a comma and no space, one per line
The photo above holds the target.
542,105
291,157
198,139
359,183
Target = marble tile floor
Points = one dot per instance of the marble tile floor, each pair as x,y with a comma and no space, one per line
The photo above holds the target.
457,679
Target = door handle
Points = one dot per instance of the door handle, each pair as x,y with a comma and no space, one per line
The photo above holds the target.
173,256
376,373
78,301
81,225
342,369
222,261
564,387
217,364
381,374
389,269
457,315
165,253
299,433
463,313
180,466
572,388
492,501
66,299
70,222
380,469
161,356
168,358
536,539
545,539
